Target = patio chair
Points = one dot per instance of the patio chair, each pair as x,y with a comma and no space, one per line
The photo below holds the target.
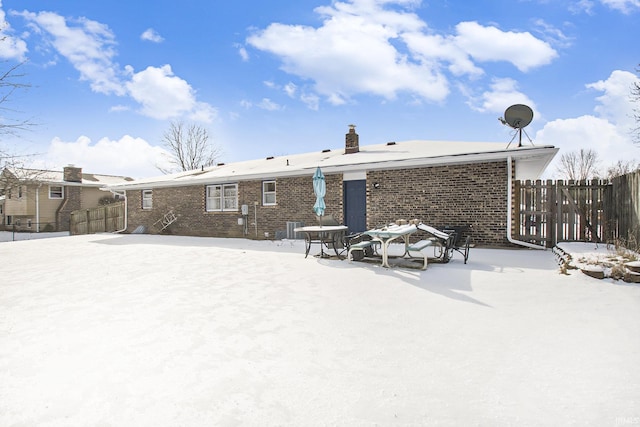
447,240
329,240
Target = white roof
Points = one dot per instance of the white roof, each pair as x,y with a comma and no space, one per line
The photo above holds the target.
57,177
407,154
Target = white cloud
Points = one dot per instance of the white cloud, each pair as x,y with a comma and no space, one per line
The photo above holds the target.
523,50
552,34
242,51
127,156
587,132
352,53
269,105
11,47
615,102
290,89
151,35
503,92
437,49
607,132
87,44
90,47
312,101
624,6
119,108
164,95
585,6
380,47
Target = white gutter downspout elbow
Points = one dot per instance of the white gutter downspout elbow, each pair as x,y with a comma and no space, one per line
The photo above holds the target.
509,210
126,209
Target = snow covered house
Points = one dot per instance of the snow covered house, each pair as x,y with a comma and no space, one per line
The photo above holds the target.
438,182
42,200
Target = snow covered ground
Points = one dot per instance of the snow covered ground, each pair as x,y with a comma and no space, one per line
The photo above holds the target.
10,236
141,330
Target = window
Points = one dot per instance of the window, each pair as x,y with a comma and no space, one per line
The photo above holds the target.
268,193
222,197
20,192
147,199
56,192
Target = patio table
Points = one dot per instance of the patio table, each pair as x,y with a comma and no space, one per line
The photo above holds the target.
325,235
386,235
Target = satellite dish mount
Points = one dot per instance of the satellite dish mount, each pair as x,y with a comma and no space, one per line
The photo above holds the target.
518,116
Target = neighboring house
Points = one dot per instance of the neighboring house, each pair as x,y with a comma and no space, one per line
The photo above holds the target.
438,182
42,200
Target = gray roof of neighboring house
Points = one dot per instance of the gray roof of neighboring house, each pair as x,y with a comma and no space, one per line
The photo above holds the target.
408,154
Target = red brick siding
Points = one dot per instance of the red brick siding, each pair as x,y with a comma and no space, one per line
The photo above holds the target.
294,202
469,194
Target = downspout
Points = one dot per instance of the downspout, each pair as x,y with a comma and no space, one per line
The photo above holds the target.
123,194
509,210
38,208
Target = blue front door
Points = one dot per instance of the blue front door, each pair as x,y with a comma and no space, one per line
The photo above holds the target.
355,205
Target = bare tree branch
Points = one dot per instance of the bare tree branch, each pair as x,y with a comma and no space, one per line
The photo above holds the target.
635,97
10,82
579,165
622,167
189,147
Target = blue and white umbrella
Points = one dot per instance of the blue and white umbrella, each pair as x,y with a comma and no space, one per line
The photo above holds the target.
320,188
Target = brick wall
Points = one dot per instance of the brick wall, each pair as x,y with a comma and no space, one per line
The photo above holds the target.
470,194
294,197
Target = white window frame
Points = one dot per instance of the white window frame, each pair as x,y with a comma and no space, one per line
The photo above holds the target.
147,199
56,197
221,198
266,193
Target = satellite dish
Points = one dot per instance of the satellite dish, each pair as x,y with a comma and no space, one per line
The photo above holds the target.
518,116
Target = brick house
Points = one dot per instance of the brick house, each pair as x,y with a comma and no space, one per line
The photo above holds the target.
439,182
42,200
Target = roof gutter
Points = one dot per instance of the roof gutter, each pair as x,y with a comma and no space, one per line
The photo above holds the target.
509,209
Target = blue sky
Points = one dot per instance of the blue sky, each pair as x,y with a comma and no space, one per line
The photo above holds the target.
283,77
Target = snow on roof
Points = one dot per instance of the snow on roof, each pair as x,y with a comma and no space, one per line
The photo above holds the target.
394,155
57,177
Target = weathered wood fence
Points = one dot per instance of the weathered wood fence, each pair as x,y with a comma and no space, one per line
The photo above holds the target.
102,219
548,212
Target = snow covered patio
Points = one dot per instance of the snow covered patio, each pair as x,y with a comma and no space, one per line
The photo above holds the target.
141,330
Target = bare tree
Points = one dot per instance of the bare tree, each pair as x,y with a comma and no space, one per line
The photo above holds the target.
579,165
10,82
635,97
622,167
189,147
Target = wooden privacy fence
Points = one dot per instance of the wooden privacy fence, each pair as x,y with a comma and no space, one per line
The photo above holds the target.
623,218
98,220
548,212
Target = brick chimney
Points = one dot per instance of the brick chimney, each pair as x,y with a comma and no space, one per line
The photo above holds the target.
352,141
72,174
